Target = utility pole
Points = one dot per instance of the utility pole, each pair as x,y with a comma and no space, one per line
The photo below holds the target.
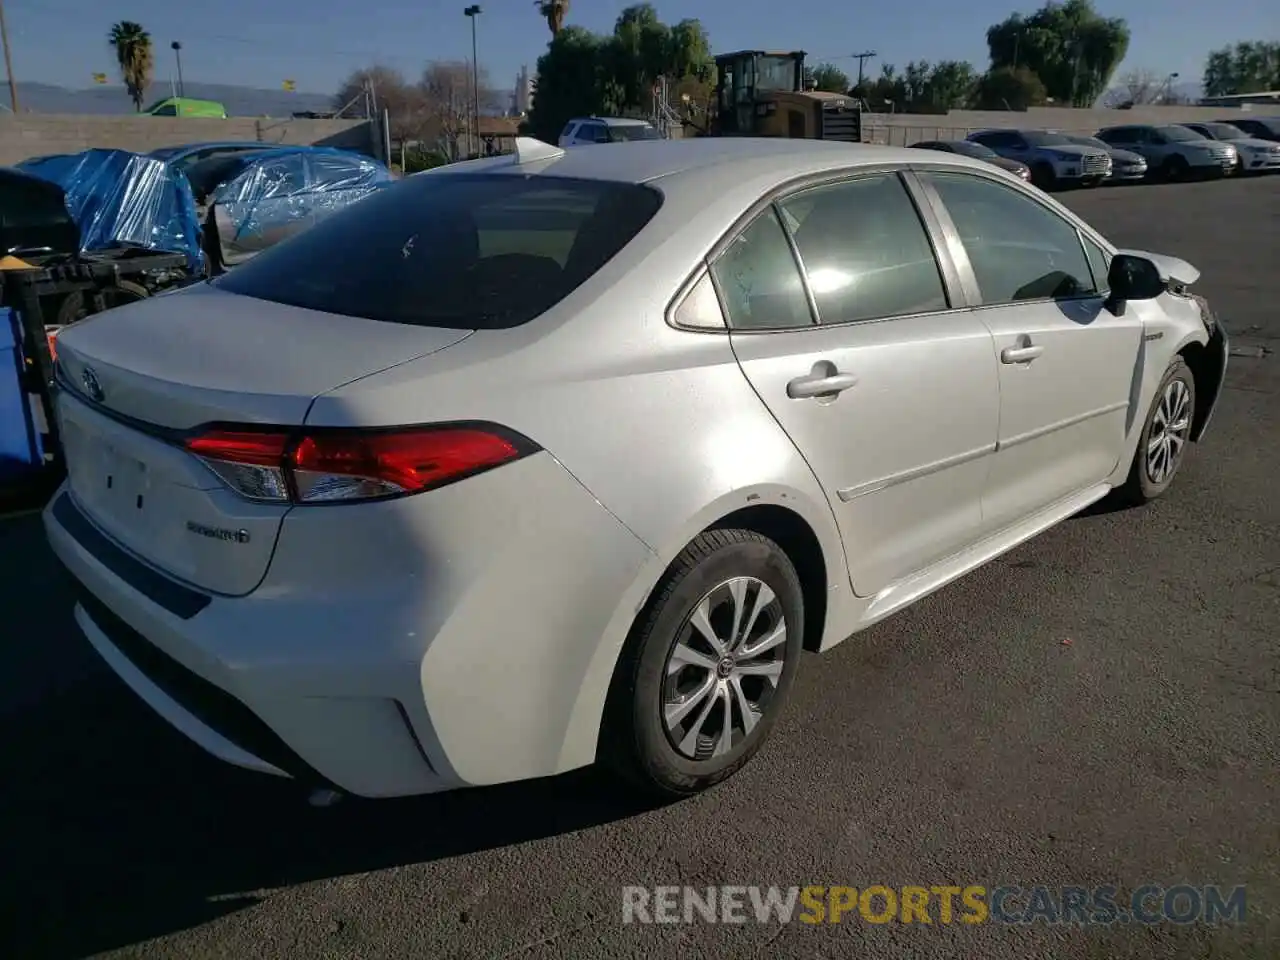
8,61
177,54
862,58
472,13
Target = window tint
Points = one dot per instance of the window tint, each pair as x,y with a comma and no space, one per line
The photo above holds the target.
1099,263
568,129
168,110
462,251
760,281
632,131
865,251
1019,250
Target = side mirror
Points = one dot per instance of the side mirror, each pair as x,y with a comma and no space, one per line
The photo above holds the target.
1132,278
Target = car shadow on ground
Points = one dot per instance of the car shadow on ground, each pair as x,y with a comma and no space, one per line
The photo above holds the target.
114,829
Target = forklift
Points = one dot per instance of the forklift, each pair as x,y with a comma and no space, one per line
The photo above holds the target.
762,94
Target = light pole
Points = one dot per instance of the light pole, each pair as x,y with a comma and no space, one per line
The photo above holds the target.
177,55
472,12
8,62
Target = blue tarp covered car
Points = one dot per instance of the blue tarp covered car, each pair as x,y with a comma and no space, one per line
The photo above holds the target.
123,199
250,201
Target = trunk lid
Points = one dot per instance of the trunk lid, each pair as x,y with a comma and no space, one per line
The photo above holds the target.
138,376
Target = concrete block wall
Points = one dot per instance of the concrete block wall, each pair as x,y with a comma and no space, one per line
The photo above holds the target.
34,135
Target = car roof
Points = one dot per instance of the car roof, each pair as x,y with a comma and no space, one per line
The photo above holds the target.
613,121
180,148
644,161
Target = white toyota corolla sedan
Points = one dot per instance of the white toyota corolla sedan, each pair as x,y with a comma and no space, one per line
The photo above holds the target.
565,457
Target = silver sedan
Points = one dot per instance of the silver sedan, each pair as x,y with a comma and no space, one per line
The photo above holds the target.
564,457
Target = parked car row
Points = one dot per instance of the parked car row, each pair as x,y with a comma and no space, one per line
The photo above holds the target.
1126,154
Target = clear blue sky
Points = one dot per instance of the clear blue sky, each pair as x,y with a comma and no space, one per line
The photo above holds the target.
317,42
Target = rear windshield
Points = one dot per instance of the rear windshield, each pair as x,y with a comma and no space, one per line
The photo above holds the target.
462,251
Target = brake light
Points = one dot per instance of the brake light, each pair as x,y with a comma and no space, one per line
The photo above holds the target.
339,465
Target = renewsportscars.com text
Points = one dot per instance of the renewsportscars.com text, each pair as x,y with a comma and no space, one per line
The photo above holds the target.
972,904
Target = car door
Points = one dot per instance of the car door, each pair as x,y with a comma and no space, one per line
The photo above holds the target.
1066,362
842,320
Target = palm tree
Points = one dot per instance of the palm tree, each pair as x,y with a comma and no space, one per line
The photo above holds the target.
133,53
554,12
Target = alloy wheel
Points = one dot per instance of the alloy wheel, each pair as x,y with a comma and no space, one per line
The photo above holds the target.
1169,429
724,668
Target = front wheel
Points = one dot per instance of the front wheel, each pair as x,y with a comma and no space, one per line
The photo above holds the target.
1165,436
1044,176
1176,167
707,667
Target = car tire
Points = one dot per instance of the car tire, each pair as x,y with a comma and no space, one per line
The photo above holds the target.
75,307
1162,447
674,690
1044,176
1176,167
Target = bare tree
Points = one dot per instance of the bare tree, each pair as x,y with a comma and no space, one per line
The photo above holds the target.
1138,87
403,101
446,93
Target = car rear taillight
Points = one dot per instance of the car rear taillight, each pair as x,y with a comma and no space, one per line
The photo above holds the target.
346,465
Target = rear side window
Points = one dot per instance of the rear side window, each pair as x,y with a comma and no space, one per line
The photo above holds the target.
760,281
865,250
462,251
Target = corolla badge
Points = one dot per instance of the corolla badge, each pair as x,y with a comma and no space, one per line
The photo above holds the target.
91,385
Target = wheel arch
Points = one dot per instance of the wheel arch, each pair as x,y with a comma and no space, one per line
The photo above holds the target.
804,529
1205,361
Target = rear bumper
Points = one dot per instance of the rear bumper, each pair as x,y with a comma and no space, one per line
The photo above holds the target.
374,661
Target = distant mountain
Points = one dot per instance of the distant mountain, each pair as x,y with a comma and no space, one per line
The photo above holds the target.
112,99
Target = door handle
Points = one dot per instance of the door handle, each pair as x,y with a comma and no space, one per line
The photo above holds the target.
1020,354
823,381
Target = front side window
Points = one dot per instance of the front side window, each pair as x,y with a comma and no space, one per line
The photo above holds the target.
459,251
1018,249
865,251
760,281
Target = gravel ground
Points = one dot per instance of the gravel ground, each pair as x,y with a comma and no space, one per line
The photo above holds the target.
965,741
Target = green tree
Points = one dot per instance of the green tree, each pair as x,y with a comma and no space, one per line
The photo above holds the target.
573,81
828,77
1071,49
554,12
950,85
133,53
921,87
1005,88
583,73
1242,68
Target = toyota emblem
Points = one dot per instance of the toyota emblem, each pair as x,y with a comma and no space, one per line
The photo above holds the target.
91,385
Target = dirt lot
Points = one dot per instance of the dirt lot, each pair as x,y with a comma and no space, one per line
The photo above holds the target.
964,741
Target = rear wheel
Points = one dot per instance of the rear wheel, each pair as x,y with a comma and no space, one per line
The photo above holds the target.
75,306
1165,436
708,666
